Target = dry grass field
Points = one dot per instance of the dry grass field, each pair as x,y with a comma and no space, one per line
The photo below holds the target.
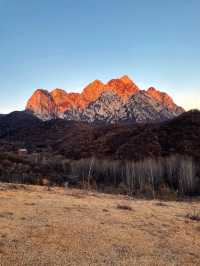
73,227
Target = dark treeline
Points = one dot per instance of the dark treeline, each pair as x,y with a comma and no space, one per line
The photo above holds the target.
175,174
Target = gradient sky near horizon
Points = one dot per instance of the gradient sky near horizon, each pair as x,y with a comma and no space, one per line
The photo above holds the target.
69,43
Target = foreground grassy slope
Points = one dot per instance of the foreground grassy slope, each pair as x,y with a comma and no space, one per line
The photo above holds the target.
73,227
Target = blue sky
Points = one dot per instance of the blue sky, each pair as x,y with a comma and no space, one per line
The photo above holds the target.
68,43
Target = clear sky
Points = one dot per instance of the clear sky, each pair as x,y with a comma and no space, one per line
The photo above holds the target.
68,43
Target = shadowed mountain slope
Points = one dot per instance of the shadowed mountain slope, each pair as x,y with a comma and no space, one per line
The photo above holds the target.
117,141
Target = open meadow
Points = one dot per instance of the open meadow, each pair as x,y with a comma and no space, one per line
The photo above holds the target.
75,227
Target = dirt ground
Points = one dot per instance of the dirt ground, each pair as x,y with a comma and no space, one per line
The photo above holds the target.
74,227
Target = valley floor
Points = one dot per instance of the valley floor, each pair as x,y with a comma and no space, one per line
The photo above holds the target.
74,227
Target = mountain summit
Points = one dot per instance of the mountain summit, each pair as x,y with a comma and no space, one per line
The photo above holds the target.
118,100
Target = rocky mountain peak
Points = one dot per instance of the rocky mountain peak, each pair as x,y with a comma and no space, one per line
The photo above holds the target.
126,80
92,91
118,100
161,96
58,93
124,87
42,105
60,98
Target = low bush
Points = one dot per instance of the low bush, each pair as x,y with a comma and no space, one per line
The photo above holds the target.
194,215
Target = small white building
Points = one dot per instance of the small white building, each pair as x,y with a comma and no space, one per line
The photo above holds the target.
22,152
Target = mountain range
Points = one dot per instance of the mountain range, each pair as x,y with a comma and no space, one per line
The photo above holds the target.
119,100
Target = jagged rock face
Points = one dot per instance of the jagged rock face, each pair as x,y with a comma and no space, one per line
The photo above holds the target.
111,108
123,87
118,100
105,109
92,92
60,97
141,107
42,105
64,100
165,99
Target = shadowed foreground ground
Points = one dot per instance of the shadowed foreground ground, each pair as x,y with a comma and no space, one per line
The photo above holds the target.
73,227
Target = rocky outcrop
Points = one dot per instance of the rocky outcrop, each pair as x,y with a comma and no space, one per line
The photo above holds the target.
118,100
165,100
92,92
124,87
141,107
42,105
65,101
105,109
111,108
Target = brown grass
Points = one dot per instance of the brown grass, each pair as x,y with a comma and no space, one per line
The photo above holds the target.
73,227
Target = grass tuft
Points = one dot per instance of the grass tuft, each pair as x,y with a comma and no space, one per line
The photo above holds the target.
124,207
194,216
